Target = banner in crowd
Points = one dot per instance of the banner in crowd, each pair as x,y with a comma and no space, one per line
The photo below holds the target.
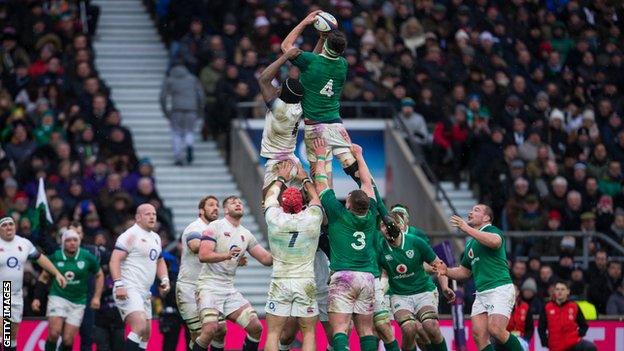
367,133
607,335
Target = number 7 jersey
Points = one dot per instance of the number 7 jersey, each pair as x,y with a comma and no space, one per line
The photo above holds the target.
293,239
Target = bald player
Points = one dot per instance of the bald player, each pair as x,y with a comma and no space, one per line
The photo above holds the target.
134,263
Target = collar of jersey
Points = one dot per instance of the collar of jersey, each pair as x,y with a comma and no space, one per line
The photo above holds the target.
65,257
329,58
485,226
402,244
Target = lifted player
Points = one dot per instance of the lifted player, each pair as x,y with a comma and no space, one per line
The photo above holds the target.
281,124
323,74
352,231
413,294
222,244
66,307
486,260
190,267
293,237
14,251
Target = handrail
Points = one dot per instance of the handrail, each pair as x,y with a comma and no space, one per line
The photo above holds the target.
420,159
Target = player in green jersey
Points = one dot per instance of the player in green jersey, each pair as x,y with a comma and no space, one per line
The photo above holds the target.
486,260
66,305
403,212
323,74
352,231
413,295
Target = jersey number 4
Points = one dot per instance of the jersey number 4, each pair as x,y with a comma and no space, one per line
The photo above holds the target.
328,89
360,243
293,238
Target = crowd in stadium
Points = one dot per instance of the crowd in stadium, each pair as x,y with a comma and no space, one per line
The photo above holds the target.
530,112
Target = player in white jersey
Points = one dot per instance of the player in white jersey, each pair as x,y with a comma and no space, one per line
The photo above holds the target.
134,263
14,252
281,124
222,245
189,271
293,238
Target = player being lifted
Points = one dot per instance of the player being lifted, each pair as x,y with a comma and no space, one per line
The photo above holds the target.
134,263
14,252
323,74
66,306
222,244
486,260
281,124
190,267
293,238
352,231
413,295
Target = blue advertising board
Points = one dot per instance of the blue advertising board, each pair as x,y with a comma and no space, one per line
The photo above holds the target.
369,134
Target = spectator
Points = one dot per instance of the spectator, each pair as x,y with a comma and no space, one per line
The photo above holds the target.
450,144
572,211
521,321
187,105
414,122
528,292
545,281
608,284
194,47
615,304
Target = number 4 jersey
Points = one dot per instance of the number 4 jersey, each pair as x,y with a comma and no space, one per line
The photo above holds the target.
322,78
293,239
351,237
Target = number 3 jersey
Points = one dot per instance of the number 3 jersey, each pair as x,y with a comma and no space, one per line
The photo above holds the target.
293,239
225,236
281,124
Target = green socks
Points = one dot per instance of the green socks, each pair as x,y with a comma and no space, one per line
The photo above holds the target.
512,344
341,342
393,346
438,347
50,346
368,343
488,348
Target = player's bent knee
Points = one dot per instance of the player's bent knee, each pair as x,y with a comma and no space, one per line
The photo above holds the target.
247,316
254,328
497,331
381,318
209,317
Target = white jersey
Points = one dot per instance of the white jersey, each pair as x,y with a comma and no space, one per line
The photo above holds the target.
281,124
13,256
189,262
225,236
138,270
293,239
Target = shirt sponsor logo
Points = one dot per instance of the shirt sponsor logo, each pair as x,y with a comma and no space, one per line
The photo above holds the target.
153,254
470,253
61,264
70,275
12,262
401,269
409,253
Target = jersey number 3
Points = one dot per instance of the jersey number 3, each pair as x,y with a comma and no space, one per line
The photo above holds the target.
359,238
328,89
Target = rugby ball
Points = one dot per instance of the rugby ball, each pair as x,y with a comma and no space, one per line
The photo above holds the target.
325,22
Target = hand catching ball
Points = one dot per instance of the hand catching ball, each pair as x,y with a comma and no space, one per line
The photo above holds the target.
325,22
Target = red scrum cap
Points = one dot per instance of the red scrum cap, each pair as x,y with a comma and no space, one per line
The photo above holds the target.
292,200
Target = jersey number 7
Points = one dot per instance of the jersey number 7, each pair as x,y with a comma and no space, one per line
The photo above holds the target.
293,238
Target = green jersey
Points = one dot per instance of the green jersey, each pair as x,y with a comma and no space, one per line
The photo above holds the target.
404,265
419,233
351,237
322,79
76,270
489,266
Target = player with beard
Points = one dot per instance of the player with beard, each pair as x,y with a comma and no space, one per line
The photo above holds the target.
221,248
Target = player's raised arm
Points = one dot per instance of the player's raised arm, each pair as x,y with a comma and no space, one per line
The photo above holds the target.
491,240
290,39
308,186
269,92
320,175
363,171
284,169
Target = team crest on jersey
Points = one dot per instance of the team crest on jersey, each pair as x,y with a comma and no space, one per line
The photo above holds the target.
19,248
153,254
227,234
143,240
388,257
409,253
12,262
80,264
470,253
61,264
401,269
242,238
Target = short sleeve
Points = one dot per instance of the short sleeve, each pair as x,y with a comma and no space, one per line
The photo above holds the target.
332,206
124,242
493,230
252,241
316,211
272,215
427,252
303,60
210,233
33,253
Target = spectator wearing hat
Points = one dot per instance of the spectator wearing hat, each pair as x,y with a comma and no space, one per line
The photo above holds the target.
414,122
615,303
549,246
565,267
11,53
579,175
557,137
528,293
261,35
604,213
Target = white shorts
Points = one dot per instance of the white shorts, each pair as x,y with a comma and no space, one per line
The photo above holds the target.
414,303
292,297
332,134
187,305
382,301
137,301
499,300
17,308
351,292
60,307
270,171
224,300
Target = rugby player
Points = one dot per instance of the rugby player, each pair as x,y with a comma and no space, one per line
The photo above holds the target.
486,260
190,267
14,252
281,124
66,306
222,244
134,263
293,233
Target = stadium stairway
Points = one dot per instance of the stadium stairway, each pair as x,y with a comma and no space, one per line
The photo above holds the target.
461,198
132,60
